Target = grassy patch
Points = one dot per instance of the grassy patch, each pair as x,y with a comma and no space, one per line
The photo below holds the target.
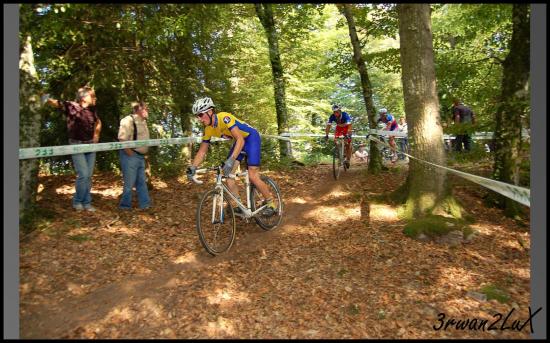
353,309
80,238
37,218
342,272
356,196
495,292
433,226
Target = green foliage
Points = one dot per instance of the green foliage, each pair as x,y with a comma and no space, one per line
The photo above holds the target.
80,238
168,54
36,218
495,292
433,226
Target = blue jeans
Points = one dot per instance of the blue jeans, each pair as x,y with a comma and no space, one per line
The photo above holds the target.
84,168
133,173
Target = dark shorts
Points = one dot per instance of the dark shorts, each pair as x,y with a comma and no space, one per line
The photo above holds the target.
252,147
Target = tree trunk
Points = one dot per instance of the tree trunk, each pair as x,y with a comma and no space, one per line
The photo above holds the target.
375,163
427,188
514,102
265,14
30,121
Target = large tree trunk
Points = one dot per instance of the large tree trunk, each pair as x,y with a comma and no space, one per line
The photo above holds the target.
427,187
30,121
265,14
514,102
375,163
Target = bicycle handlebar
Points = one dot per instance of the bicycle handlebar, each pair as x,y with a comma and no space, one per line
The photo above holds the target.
204,170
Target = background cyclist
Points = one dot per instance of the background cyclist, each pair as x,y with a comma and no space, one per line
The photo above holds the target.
343,128
391,125
247,139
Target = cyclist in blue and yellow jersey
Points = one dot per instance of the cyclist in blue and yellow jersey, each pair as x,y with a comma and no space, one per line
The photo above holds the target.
247,139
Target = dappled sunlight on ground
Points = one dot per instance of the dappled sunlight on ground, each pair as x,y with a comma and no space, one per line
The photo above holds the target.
456,277
66,189
220,328
226,295
123,229
159,184
383,212
189,257
336,214
296,200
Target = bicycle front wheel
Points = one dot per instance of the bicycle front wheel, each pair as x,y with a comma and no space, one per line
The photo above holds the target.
336,162
271,221
215,223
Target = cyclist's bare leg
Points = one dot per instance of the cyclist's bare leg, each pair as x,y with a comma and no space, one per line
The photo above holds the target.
348,150
393,147
231,184
254,174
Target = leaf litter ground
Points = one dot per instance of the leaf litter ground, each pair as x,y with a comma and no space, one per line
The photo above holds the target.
339,266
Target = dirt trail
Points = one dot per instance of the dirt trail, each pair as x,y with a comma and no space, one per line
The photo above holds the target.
337,267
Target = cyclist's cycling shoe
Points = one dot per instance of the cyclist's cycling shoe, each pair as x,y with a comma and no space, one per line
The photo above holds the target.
346,163
270,210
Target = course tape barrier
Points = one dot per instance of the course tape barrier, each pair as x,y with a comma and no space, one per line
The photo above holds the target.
49,151
516,193
398,134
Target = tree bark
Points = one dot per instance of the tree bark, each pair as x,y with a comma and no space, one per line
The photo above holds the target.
375,163
514,102
427,187
30,121
265,14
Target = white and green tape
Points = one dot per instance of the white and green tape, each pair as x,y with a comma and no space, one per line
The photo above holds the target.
49,151
516,193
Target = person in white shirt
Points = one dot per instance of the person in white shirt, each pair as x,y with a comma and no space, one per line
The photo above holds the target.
361,154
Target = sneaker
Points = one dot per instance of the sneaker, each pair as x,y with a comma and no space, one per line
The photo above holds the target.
90,208
78,207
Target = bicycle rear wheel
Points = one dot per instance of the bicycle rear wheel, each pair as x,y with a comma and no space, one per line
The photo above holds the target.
215,223
336,162
267,222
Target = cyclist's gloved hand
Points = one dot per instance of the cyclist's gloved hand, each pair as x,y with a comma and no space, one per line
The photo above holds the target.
191,172
348,136
228,166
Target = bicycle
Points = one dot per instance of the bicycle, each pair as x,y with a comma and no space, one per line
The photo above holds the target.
338,157
214,208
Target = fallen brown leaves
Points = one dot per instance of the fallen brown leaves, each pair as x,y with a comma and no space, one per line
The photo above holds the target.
337,267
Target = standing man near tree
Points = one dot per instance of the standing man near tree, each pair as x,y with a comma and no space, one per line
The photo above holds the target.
132,160
464,117
84,127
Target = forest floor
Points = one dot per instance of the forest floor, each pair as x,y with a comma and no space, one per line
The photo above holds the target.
338,266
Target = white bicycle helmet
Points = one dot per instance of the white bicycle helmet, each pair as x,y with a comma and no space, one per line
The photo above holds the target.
202,105
336,107
383,110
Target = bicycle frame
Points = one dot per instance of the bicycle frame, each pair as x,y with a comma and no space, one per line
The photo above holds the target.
222,187
341,146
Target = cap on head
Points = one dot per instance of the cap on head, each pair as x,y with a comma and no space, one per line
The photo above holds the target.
383,111
336,107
